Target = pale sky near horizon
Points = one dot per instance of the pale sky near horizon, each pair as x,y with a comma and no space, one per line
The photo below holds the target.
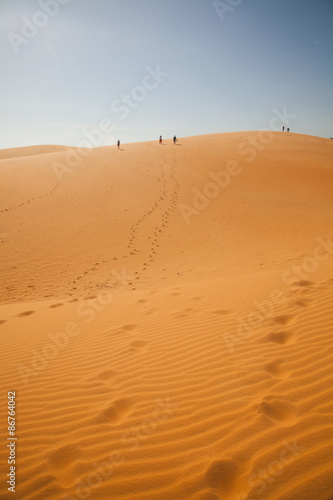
224,66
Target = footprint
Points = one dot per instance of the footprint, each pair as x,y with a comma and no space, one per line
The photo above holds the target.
64,456
153,310
142,301
188,311
304,283
138,344
277,368
53,306
73,300
116,413
129,328
2,321
108,375
302,303
222,475
281,337
278,411
284,319
222,312
25,313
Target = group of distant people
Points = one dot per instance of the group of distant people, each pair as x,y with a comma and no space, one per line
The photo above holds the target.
174,139
160,140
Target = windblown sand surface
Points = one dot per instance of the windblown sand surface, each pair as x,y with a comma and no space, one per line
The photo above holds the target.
163,344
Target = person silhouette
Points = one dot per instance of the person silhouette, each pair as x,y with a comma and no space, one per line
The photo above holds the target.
174,139
118,143
160,140
283,128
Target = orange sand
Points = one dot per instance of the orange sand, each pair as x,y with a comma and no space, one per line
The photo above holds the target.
165,344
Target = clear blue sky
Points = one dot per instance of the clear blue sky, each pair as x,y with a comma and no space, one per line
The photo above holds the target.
226,72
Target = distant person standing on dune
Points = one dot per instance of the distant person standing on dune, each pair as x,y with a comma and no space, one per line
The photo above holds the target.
160,141
174,139
118,143
283,128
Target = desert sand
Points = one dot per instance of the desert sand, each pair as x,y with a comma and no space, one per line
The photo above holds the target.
166,319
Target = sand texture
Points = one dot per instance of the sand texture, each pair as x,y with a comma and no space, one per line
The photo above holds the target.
166,319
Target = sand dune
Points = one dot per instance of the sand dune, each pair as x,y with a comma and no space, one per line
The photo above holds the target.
5,154
166,319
